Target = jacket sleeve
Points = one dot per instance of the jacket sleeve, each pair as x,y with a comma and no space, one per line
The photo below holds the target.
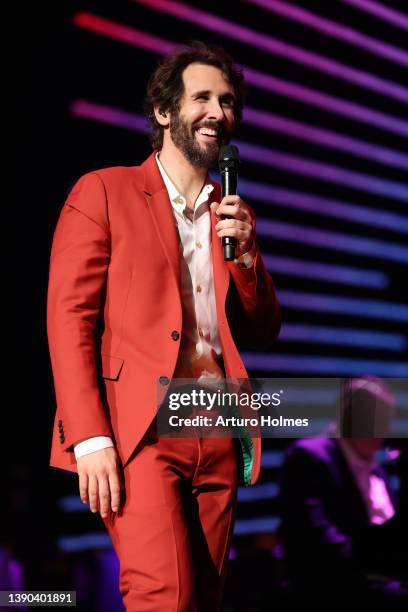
253,308
79,263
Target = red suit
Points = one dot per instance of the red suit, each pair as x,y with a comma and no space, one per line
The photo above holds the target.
115,316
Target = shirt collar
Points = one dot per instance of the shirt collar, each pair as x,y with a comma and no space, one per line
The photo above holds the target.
177,200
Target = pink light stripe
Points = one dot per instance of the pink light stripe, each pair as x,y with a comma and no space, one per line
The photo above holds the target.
326,138
321,171
264,81
125,34
335,30
280,48
330,104
385,13
269,157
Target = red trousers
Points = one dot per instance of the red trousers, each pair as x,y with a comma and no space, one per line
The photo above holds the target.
173,533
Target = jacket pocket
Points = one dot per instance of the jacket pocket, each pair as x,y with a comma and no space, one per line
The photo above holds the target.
111,367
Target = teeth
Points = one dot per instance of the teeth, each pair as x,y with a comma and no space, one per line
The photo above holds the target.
207,132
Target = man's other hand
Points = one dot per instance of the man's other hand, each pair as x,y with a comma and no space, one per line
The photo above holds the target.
99,480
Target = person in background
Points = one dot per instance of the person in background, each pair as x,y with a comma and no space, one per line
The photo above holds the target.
337,504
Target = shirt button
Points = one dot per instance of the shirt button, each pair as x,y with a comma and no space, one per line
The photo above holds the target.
164,380
198,245
201,333
175,335
199,289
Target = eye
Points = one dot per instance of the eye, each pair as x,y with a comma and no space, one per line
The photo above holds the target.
228,102
202,98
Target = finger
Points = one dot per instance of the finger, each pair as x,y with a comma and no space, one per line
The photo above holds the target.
233,232
104,495
235,210
83,486
237,223
93,493
115,490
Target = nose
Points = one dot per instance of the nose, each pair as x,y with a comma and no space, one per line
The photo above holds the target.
215,110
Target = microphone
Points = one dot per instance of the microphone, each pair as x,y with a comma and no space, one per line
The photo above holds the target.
228,162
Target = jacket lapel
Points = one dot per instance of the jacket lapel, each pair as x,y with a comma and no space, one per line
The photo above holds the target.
162,215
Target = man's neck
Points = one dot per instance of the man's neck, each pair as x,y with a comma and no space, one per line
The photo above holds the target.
188,179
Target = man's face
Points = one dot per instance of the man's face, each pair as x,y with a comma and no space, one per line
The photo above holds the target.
206,115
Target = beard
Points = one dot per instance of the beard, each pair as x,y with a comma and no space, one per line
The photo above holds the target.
183,136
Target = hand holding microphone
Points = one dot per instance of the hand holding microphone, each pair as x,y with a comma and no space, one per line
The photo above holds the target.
235,228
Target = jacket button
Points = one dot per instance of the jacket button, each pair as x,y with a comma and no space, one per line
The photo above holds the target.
175,335
62,439
164,380
60,423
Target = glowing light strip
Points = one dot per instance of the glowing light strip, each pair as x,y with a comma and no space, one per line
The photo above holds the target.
327,272
342,336
86,541
317,204
256,525
263,490
385,13
330,104
271,459
307,364
104,114
337,304
332,240
280,48
335,30
323,171
325,138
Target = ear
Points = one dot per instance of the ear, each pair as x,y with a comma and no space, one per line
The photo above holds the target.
162,117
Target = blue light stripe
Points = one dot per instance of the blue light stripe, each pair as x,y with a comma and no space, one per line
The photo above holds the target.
72,503
342,336
372,309
316,204
307,364
265,490
271,459
256,525
359,245
86,541
328,272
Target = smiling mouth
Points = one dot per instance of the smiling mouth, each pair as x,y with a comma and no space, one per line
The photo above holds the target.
207,134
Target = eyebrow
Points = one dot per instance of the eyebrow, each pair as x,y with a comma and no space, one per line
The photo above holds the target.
207,92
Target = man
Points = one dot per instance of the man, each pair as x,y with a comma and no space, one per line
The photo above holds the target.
139,294
340,531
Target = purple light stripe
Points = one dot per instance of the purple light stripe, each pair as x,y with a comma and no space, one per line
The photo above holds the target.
314,203
280,48
112,116
382,12
330,273
337,304
343,336
328,103
335,30
325,138
306,364
321,171
125,34
261,80
256,525
332,240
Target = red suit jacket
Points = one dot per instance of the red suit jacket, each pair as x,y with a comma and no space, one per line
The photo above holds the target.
114,303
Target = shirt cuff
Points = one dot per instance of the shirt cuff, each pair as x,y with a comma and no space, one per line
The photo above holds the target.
92,445
246,259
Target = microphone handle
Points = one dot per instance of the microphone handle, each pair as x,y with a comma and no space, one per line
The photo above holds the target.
229,181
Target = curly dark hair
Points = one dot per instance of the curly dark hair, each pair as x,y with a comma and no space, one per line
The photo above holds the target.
165,87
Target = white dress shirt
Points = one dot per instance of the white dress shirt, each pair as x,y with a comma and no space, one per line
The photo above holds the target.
372,488
200,347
